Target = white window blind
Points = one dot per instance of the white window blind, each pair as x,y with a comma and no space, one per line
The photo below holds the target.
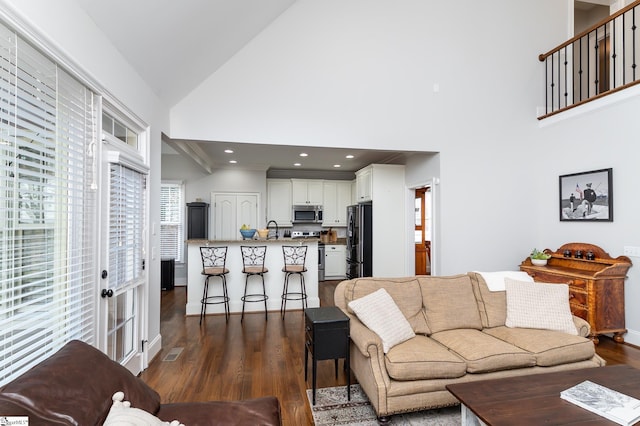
171,227
47,210
126,216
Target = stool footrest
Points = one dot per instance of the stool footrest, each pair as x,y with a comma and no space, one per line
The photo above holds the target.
214,300
254,298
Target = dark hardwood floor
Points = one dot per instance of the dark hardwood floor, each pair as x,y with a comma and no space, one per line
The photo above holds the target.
221,361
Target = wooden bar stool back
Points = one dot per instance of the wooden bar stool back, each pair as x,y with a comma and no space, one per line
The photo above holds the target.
253,266
214,265
294,264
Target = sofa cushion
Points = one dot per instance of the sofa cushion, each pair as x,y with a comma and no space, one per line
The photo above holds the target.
423,358
549,347
449,303
75,386
539,305
484,353
492,305
260,411
380,313
404,291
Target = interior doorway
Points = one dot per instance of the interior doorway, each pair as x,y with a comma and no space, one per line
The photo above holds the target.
423,230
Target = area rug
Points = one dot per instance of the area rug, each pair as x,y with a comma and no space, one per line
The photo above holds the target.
332,408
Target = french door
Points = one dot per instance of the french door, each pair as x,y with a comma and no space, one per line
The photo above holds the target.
122,325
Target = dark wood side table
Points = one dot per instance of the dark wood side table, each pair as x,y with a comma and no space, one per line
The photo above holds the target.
326,337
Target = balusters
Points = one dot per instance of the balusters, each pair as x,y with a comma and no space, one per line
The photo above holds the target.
571,77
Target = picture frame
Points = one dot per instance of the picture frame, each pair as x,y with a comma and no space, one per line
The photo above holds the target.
587,196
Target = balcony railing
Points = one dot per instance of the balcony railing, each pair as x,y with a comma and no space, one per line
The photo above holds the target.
597,62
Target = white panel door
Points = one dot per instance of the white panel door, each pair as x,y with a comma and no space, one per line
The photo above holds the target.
247,211
231,211
224,217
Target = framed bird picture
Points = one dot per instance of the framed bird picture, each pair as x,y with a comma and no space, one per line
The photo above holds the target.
587,196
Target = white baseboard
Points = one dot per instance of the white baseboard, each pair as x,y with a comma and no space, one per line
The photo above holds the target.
632,337
154,348
236,306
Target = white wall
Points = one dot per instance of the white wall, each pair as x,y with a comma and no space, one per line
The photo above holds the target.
229,180
66,30
607,137
362,73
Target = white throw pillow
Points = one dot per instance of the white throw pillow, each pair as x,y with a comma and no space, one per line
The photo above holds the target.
122,414
539,305
380,313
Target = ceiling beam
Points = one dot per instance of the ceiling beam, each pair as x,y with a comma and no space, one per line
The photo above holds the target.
192,151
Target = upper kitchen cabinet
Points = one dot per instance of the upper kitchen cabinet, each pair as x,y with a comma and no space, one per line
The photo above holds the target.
364,182
336,197
307,191
279,201
377,181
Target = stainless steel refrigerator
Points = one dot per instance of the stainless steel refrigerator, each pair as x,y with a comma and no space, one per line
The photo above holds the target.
359,240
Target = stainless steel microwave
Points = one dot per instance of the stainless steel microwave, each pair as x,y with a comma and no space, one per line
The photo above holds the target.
307,214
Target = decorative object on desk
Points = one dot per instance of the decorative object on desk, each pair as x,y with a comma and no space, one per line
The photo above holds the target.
591,255
539,258
587,196
566,253
247,232
332,408
608,403
578,254
263,233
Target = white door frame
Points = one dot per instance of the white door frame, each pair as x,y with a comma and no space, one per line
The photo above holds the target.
434,259
114,151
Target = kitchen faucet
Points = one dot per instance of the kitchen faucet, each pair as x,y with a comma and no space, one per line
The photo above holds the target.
275,223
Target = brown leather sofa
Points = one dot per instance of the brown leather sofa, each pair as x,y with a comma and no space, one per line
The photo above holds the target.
75,386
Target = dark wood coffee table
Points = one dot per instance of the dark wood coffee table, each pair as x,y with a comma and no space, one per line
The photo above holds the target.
535,399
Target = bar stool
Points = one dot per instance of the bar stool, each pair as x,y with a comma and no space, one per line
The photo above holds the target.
294,258
253,265
213,265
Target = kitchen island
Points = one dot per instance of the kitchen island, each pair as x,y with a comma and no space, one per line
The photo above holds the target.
274,279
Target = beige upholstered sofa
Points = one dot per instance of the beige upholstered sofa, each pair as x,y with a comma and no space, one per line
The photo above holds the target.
460,336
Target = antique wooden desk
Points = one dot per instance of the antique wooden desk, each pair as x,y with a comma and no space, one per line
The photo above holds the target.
596,285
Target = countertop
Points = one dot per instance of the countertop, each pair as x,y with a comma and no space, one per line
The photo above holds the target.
258,241
339,242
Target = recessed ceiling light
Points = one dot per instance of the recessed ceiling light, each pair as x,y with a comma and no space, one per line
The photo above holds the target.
349,156
228,151
297,164
303,154
233,161
337,165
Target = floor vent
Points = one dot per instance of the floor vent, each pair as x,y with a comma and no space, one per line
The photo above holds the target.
173,354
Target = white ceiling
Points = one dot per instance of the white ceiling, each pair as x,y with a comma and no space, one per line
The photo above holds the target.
274,158
175,45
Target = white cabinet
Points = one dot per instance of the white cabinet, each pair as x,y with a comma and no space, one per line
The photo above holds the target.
364,184
306,191
389,225
279,201
336,197
231,211
335,262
